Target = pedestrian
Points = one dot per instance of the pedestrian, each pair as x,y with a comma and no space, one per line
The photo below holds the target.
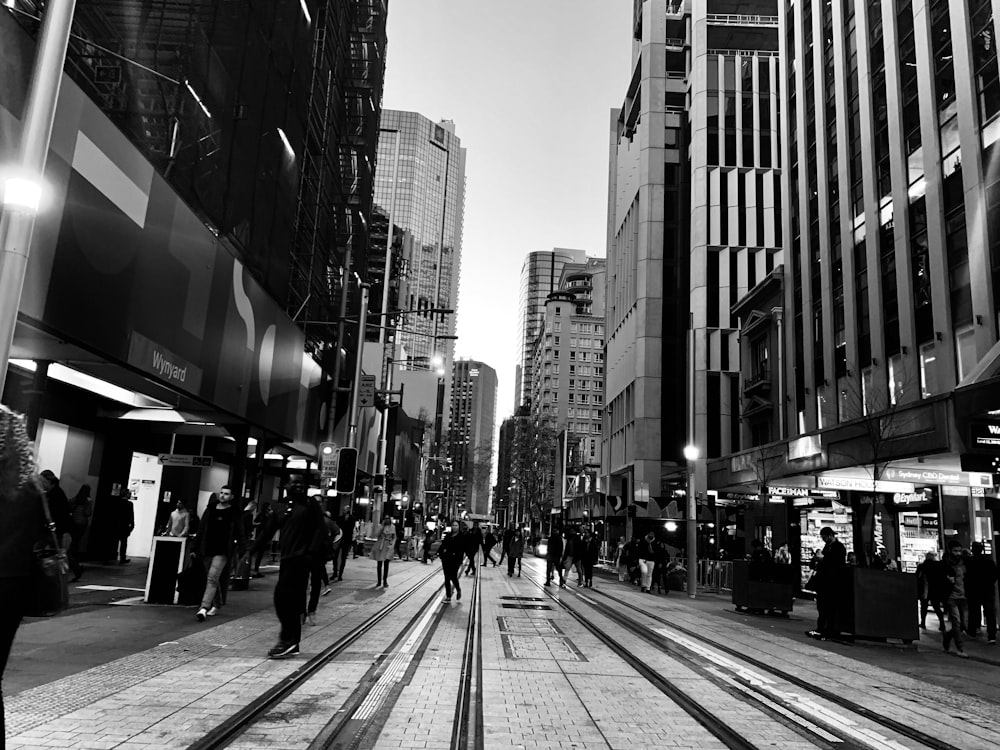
22,523
589,552
346,525
489,542
632,560
62,517
124,523
620,560
662,568
80,509
568,558
829,566
956,607
515,552
647,561
981,590
325,548
428,543
508,533
783,556
473,542
553,559
299,519
220,536
180,521
931,588
384,549
359,538
451,552
262,525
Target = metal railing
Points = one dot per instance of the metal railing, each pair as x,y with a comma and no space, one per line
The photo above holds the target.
715,575
735,19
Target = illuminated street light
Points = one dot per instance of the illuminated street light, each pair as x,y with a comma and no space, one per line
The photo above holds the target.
22,194
691,453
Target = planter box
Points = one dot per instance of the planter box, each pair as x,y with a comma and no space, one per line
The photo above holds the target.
879,604
775,593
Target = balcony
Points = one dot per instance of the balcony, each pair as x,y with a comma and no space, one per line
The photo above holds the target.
757,382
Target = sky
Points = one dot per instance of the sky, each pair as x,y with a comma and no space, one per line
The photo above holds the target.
529,85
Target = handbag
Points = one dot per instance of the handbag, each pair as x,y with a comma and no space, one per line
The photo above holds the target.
49,594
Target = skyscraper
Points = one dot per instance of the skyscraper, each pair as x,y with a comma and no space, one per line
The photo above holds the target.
694,222
540,275
420,198
470,439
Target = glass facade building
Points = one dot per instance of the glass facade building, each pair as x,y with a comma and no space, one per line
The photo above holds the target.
470,438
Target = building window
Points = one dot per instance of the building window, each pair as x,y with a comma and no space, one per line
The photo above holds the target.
558,310
928,371
965,350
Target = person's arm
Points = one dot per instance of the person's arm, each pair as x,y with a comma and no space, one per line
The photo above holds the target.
187,525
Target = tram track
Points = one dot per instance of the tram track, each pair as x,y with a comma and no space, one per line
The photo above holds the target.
352,725
675,646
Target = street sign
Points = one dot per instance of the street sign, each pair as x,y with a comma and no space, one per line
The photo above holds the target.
328,460
183,460
366,391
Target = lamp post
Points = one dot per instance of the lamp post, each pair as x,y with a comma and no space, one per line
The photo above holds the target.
22,190
691,454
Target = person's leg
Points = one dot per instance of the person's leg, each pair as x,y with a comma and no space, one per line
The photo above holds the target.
453,571
510,566
385,572
289,596
549,565
315,585
257,560
213,570
990,611
519,565
939,611
974,618
223,591
122,547
644,574
953,626
13,594
924,604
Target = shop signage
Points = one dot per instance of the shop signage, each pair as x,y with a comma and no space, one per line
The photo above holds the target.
159,361
935,476
985,435
800,492
910,498
804,447
862,484
180,459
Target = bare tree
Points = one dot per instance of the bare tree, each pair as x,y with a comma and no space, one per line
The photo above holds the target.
533,467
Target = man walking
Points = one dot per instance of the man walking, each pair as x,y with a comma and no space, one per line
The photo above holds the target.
451,552
553,559
346,524
299,519
61,517
473,541
220,534
956,607
508,534
489,542
829,566
981,589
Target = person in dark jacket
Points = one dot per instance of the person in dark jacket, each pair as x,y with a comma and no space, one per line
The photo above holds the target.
829,566
220,535
515,551
22,523
981,591
123,522
508,533
587,555
956,606
453,549
428,544
489,542
326,548
473,542
62,517
554,557
932,588
299,519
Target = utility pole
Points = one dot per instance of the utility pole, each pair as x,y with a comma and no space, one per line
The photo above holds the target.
22,191
352,429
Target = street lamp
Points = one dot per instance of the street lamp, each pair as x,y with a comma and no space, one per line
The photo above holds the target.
691,455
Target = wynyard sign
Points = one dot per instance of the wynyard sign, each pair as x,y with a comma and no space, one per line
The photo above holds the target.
159,361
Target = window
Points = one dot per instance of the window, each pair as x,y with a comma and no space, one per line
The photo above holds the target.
558,326
965,350
928,371
558,310
572,383
570,398
555,354
557,340
572,356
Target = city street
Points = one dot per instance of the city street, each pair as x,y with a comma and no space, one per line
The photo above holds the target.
548,668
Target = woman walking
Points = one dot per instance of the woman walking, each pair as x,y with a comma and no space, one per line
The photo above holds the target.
384,550
647,561
451,552
22,523
621,561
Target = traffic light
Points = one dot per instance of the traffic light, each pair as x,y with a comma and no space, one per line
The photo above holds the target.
347,470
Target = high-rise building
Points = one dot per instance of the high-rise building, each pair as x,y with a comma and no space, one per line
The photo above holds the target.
420,195
693,224
540,276
568,369
470,435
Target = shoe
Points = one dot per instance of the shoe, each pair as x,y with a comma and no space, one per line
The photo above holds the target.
327,590
813,633
125,561
379,584
213,612
993,641
562,585
961,655
547,583
447,598
385,584
283,651
311,618
202,614
519,574
458,594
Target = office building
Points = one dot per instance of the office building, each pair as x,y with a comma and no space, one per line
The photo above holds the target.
540,274
470,435
693,224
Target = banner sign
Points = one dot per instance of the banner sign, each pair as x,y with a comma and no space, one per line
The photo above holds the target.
918,475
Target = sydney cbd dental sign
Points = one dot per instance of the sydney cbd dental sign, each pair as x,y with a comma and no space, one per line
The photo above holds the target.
163,363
